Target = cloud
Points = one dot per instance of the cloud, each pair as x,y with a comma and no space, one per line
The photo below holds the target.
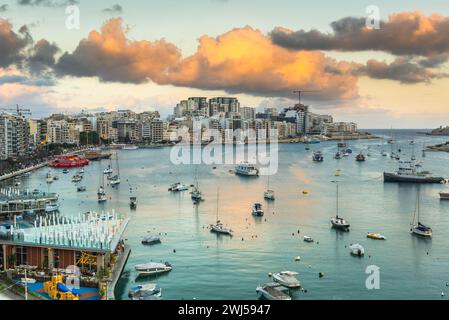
404,70
47,3
407,33
110,56
115,9
3,8
12,44
42,56
21,79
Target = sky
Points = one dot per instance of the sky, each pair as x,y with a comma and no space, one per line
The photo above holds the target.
148,55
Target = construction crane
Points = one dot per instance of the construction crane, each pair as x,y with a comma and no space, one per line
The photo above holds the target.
303,91
18,110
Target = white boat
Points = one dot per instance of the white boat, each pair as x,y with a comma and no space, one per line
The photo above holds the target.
376,236
273,291
153,268
151,239
102,198
145,292
257,210
115,181
51,207
246,169
287,279
269,194
77,178
196,194
308,239
107,170
356,249
49,178
219,227
338,222
101,191
130,147
417,227
81,171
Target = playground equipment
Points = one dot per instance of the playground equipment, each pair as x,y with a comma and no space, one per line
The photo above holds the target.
58,291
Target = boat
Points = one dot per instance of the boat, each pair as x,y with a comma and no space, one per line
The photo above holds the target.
416,227
341,145
308,239
360,157
100,190
133,202
77,178
287,279
407,172
356,249
219,227
338,222
143,291
81,171
317,156
257,210
102,198
81,189
153,268
51,207
246,169
108,170
273,291
347,151
151,239
65,171
68,161
115,180
444,195
196,194
338,155
269,194
130,147
49,178
178,187
375,236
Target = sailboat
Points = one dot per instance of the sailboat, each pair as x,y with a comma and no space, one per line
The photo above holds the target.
419,228
196,194
219,227
115,180
391,140
338,222
108,170
269,194
101,192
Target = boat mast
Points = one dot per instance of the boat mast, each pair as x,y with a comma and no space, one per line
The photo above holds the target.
218,193
118,167
337,200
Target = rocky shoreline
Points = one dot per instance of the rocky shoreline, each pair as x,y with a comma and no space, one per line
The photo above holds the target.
442,147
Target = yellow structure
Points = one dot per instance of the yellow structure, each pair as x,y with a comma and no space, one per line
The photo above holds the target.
51,288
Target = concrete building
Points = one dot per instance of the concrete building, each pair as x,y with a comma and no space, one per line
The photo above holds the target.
14,136
224,105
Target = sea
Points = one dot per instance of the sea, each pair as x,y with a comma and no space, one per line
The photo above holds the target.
210,266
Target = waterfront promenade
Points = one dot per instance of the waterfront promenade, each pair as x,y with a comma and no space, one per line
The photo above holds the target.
119,266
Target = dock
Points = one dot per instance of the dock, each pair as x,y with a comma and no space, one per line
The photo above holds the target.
17,202
119,266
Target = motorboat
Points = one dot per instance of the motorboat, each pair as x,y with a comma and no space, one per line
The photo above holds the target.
408,172
77,178
360,157
65,171
81,189
375,236
318,156
51,207
102,198
273,291
257,210
178,187
269,195
151,239
153,268
132,202
220,229
287,279
140,292
338,155
416,227
49,178
356,249
246,169
308,239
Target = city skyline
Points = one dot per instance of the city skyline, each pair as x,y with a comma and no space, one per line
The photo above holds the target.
121,58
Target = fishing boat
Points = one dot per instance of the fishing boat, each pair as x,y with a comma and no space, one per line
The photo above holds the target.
356,249
133,202
317,156
375,236
416,227
273,291
145,292
287,279
151,239
269,194
338,222
308,239
257,210
360,157
444,195
153,268
407,172
219,227
246,169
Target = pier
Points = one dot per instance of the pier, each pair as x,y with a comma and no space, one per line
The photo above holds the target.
17,202
117,271
22,171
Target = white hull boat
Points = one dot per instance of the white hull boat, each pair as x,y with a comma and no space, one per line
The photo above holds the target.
153,268
287,279
273,291
357,250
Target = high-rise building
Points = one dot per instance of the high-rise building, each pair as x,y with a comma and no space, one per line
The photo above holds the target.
14,136
157,130
248,113
225,105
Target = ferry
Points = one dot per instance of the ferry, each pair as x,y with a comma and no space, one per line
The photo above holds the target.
68,161
407,172
246,169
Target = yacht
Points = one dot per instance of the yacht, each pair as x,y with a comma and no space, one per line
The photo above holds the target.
115,180
246,169
102,198
257,210
196,194
101,191
317,156
153,268
108,170
356,249
375,236
416,227
273,291
407,172
287,279
338,222
151,239
51,207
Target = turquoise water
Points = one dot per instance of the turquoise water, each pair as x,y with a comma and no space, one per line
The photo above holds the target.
207,266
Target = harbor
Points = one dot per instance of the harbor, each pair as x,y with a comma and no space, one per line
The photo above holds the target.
294,232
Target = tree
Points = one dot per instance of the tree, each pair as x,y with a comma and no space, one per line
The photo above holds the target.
90,137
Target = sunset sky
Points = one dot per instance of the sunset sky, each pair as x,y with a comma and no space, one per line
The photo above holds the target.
150,54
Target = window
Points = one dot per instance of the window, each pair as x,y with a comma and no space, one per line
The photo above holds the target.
21,256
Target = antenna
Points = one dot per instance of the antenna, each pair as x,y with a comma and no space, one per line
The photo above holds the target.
303,91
